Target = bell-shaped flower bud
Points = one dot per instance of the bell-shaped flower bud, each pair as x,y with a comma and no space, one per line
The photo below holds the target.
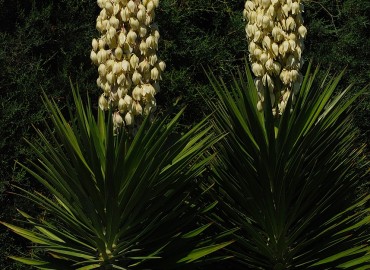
134,61
114,22
293,75
110,64
249,5
109,7
95,45
285,77
251,47
143,47
101,44
292,45
93,57
131,6
117,68
148,90
101,3
117,119
131,37
103,103
111,78
136,78
122,106
121,78
257,53
153,59
266,43
137,93
112,31
270,65
154,74
150,6
144,66
118,53
271,11
162,66
250,30
134,23
257,69
129,119
125,65
102,70
302,31
290,24
143,30
275,49
137,109
285,8
295,8
116,8
263,58
125,14
121,38
252,17
259,106
141,15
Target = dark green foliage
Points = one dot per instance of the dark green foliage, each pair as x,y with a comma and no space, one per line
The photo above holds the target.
44,43
338,37
196,34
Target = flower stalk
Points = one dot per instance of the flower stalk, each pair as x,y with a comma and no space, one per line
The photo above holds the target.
126,56
275,34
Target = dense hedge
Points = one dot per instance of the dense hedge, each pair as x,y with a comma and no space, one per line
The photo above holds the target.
45,43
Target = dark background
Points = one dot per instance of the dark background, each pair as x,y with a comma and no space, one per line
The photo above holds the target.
46,43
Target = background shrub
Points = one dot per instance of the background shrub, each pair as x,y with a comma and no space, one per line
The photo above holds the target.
45,43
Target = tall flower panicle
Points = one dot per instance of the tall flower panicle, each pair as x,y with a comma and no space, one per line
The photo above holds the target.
126,56
275,34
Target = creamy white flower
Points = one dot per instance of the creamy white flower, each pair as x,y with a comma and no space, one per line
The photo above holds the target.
302,31
257,69
131,6
95,45
93,57
162,66
137,109
126,56
129,119
136,78
103,103
154,74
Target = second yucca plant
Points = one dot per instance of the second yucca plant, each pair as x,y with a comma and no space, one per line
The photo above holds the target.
289,185
286,171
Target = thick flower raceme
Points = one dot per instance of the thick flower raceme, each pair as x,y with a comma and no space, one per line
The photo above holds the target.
275,34
126,56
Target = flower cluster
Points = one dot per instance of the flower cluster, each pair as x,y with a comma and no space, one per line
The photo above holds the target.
275,34
126,56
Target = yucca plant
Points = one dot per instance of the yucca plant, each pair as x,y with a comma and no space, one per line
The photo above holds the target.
288,183
116,201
